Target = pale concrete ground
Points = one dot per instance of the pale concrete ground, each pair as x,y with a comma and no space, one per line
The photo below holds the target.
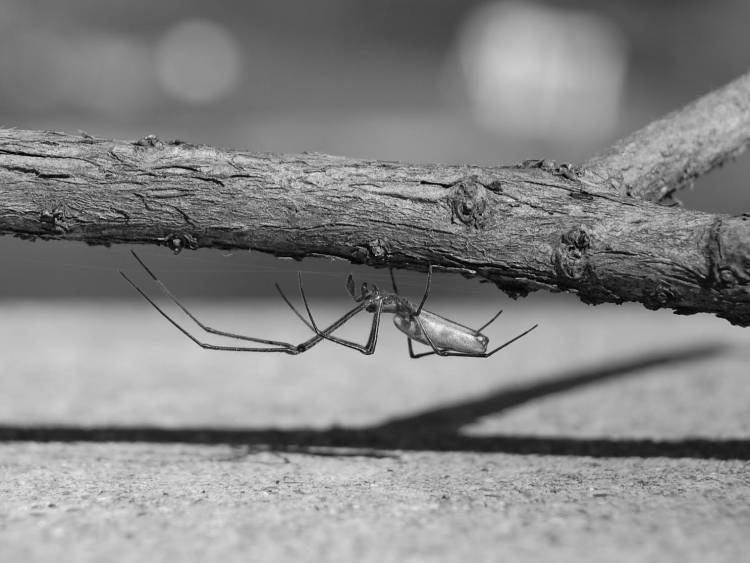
611,433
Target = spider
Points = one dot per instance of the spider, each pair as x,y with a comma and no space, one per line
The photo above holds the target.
444,336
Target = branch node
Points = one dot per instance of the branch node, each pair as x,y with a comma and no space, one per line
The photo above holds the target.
664,295
468,201
379,249
570,258
54,217
375,251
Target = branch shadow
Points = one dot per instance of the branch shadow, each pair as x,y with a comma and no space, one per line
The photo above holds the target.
436,429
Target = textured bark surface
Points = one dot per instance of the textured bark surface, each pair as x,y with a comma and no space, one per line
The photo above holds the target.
527,227
668,154
523,228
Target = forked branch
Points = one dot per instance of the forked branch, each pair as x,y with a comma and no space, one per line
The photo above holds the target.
668,154
523,227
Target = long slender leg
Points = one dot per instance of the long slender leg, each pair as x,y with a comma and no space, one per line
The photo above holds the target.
393,281
435,349
416,356
488,354
426,290
368,348
427,293
293,308
286,348
408,340
282,347
326,331
372,340
197,321
488,323
511,341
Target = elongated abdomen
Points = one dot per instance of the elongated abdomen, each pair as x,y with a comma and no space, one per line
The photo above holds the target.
444,333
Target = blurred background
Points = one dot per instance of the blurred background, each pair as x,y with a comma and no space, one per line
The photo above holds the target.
456,81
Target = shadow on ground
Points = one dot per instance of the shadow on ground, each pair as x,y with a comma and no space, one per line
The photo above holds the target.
437,429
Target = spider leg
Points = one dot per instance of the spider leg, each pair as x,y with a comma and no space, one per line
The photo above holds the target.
488,323
490,353
511,341
393,281
195,319
372,339
281,347
417,356
325,333
426,291
435,349
293,308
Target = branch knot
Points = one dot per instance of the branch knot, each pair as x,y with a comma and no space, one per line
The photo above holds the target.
468,201
570,258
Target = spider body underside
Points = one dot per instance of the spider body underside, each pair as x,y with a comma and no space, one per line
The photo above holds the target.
444,336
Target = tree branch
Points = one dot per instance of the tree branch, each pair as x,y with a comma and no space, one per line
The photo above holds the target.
669,153
526,227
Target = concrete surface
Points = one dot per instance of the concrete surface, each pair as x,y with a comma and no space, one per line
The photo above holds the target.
610,433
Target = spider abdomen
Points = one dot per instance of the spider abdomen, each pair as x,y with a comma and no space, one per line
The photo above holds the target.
444,333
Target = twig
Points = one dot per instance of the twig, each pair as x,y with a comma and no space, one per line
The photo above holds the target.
668,154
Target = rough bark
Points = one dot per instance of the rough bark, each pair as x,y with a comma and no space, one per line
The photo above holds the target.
526,227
